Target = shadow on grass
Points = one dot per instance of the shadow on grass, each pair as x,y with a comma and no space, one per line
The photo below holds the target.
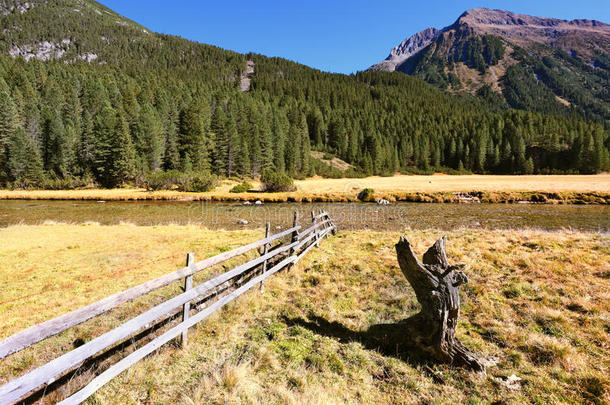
387,339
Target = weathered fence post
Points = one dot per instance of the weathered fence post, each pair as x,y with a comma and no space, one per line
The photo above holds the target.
265,251
295,233
316,230
332,225
326,225
188,284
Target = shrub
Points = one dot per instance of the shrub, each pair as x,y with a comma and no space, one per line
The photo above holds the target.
182,181
368,194
66,183
200,183
161,180
274,182
244,187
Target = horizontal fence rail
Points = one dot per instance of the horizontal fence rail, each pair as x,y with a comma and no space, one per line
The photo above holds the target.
225,288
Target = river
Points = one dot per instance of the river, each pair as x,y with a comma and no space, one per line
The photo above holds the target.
350,216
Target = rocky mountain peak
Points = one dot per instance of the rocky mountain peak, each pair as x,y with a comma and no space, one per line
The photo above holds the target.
489,17
588,36
509,59
407,48
521,27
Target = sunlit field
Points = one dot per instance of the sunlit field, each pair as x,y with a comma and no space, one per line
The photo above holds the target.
437,188
536,308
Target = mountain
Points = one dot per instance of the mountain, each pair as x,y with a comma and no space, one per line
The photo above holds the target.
406,49
531,63
84,30
88,96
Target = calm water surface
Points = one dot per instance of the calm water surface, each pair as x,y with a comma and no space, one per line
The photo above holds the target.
347,216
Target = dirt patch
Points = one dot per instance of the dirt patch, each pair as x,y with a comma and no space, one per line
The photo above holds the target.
334,162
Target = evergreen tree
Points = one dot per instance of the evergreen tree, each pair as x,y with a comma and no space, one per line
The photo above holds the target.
317,129
280,126
220,133
8,124
114,154
193,134
149,138
24,163
171,155
57,156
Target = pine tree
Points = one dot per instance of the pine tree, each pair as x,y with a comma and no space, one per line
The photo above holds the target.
58,150
598,158
171,155
336,135
528,167
316,127
266,143
86,144
243,157
219,130
305,158
193,134
24,163
149,138
280,126
8,124
114,155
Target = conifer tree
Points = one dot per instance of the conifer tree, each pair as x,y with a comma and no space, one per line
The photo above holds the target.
149,138
114,154
57,149
8,124
24,163
280,126
219,130
193,134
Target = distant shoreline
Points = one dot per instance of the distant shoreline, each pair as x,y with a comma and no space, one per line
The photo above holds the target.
552,189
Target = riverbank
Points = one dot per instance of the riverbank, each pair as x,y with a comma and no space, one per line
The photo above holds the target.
536,307
555,189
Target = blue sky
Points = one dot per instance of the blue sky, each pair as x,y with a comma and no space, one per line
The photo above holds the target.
333,35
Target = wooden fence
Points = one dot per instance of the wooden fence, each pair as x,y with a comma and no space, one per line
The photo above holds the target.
276,253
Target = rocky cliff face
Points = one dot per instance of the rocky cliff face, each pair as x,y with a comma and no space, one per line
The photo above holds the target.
406,49
523,29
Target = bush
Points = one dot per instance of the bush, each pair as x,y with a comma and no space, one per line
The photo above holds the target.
182,181
56,183
244,187
200,183
366,195
161,180
275,182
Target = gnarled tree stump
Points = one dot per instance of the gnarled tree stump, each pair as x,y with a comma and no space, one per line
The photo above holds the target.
436,285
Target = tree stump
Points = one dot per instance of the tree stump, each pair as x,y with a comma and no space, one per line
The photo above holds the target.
436,285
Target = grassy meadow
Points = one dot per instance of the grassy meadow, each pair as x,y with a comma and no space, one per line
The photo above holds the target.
536,308
436,188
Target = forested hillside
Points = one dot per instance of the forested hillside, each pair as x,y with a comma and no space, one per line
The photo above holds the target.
88,96
512,60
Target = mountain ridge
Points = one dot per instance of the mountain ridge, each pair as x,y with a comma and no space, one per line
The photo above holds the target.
540,64
492,21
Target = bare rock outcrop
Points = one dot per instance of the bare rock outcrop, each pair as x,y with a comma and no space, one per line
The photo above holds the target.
406,49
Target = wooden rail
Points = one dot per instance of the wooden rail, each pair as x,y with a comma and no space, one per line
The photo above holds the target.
224,288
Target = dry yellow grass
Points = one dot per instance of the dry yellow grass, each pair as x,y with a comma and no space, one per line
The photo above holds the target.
437,188
444,183
537,305
41,266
